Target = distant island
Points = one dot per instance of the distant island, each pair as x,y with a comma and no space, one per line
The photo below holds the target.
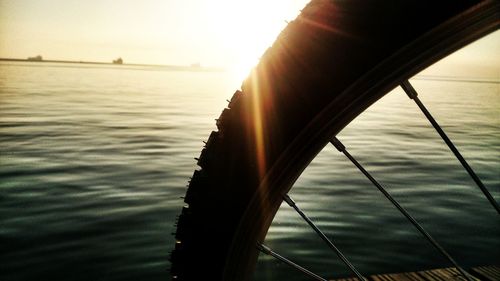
119,61
37,58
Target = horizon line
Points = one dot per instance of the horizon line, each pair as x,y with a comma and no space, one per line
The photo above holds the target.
197,67
183,67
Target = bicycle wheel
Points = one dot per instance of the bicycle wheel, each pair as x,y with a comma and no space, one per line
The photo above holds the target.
325,68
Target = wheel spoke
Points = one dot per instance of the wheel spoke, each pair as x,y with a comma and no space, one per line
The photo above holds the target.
340,147
266,250
323,236
412,94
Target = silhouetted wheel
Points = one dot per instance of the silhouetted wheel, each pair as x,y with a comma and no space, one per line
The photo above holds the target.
329,65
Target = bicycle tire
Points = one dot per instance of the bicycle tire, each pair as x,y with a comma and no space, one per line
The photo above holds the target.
325,68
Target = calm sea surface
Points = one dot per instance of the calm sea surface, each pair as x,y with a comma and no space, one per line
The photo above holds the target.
94,160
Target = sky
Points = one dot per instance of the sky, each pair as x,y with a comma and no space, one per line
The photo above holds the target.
222,33
181,32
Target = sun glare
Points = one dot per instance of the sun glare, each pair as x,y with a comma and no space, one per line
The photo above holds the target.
248,28
223,33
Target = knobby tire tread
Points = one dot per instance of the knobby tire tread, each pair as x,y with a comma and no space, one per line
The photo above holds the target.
228,204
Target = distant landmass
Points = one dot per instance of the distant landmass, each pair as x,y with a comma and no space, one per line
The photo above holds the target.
119,61
37,58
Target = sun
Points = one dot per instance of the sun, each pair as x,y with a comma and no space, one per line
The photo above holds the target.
247,28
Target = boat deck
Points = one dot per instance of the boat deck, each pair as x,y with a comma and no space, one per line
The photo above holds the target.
486,273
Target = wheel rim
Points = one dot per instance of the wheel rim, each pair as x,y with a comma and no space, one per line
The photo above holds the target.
424,51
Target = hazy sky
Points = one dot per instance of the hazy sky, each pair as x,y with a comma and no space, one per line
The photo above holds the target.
215,32
228,33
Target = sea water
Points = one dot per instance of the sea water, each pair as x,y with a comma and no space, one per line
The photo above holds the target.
94,160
